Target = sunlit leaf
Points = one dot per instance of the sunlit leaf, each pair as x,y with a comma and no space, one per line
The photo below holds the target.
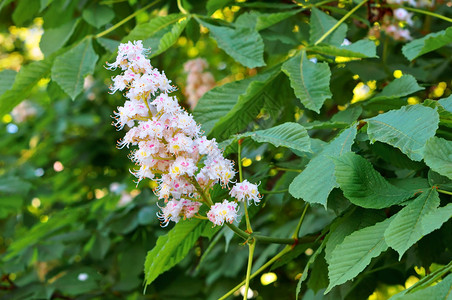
427,44
438,156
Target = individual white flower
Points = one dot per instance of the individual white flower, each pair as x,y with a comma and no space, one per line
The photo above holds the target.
223,212
245,191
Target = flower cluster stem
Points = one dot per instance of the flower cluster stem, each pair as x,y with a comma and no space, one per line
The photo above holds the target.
251,246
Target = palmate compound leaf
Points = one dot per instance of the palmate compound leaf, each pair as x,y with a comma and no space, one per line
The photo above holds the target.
70,68
408,129
406,228
243,44
364,186
350,257
310,81
291,135
438,156
317,180
428,43
171,248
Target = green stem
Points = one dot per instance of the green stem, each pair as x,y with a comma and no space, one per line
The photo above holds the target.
267,264
326,34
182,10
251,246
288,169
444,192
247,217
421,11
125,20
297,230
270,240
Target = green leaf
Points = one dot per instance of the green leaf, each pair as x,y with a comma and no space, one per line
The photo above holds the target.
109,44
260,21
359,49
147,30
291,135
7,78
70,68
98,15
406,228
321,23
358,219
398,88
305,272
310,81
169,38
440,291
427,44
435,219
438,156
171,248
446,103
55,38
317,180
14,185
350,257
243,44
24,12
26,79
227,109
213,5
408,129
364,186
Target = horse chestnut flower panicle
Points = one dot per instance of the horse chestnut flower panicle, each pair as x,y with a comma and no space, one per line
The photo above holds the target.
170,145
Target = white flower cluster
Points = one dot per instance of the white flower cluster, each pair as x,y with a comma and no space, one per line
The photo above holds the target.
171,149
198,81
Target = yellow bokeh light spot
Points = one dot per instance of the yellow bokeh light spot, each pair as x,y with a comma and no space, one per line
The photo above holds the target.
372,84
7,118
182,41
246,162
235,8
258,158
438,92
442,85
296,28
410,281
44,219
342,107
273,172
192,52
413,100
36,202
100,193
268,278
356,77
420,271
279,155
397,74
343,59
309,252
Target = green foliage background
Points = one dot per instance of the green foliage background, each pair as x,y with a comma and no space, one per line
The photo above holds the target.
376,173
